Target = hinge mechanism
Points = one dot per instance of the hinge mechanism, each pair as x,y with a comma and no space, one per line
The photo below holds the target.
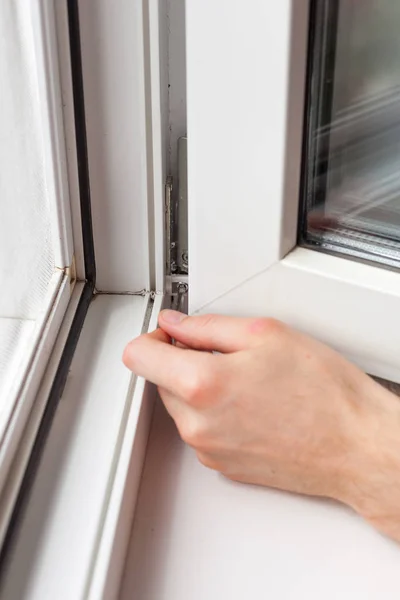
177,257
179,295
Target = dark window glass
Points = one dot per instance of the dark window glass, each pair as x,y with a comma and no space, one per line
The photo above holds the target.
351,200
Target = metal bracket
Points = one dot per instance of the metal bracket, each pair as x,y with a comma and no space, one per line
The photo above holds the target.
176,209
179,296
177,217
182,208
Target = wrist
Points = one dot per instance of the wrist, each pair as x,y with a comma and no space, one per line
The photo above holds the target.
372,475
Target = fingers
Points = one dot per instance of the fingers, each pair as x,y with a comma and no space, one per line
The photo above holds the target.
210,332
181,371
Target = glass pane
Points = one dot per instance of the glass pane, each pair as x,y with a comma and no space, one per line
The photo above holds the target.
26,254
353,176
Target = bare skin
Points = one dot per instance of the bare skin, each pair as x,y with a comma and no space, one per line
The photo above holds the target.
277,408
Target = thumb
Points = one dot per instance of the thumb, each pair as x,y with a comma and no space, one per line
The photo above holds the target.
209,332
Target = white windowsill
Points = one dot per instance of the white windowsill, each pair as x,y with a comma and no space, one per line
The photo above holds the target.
69,544
197,535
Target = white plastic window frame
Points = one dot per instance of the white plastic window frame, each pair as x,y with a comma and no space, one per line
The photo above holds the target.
103,420
246,90
127,159
49,26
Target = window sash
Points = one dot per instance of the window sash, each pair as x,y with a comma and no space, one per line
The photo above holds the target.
244,187
31,365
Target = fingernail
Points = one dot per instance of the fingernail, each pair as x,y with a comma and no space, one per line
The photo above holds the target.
172,316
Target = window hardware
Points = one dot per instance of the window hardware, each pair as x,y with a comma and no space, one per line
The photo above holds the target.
179,295
177,255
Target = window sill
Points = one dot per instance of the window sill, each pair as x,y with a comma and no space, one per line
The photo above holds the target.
71,541
197,535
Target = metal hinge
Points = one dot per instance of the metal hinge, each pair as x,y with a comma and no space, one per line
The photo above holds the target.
177,257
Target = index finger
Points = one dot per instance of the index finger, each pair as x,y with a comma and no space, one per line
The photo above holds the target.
153,357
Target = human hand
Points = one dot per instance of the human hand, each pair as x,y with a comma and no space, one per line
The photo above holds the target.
277,408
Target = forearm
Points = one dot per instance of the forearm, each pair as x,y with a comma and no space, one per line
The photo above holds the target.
372,477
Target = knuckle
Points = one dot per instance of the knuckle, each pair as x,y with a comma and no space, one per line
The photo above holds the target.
130,355
194,390
136,353
207,461
191,433
267,326
235,477
273,326
200,386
